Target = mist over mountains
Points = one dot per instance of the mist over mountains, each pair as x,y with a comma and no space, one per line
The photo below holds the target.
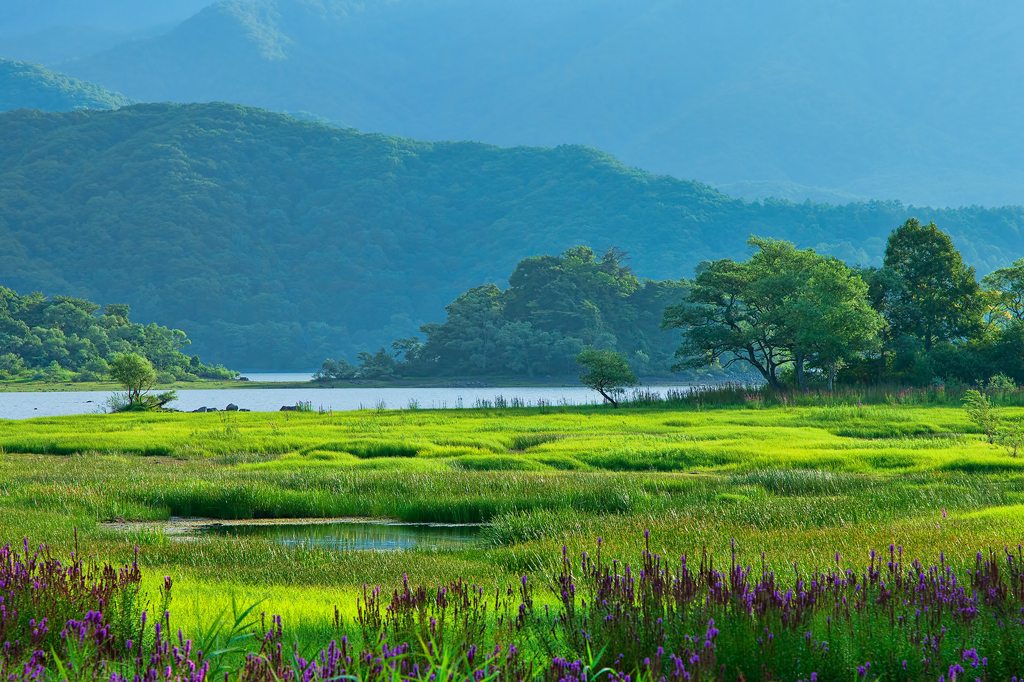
20,17
915,101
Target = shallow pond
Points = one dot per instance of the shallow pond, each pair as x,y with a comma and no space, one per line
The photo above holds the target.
355,535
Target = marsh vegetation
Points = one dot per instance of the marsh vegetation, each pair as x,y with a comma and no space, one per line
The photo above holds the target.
787,487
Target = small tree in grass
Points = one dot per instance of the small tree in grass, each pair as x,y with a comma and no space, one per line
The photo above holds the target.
135,374
982,413
607,373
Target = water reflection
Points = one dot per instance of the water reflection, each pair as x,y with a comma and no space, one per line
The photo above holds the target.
355,535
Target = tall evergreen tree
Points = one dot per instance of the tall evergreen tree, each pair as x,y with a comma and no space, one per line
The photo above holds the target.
938,299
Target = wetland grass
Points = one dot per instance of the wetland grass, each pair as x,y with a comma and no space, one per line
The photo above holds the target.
789,484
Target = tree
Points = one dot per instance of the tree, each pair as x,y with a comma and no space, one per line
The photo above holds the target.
554,307
135,374
607,373
832,318
939,298
739,312
1006,287
379,365
407,350
334,370
884,288
982,413
118,311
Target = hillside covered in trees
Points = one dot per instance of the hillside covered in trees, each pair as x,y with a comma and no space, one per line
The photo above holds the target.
70,339
279,242
793,99
33,87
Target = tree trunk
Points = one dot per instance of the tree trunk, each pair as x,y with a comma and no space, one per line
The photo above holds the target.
767,372
801,379
609,398
881,364
831,375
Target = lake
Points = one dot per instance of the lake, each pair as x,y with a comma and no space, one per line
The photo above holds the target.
27,405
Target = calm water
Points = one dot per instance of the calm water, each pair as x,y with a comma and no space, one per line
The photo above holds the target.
278,376
27,405
357,535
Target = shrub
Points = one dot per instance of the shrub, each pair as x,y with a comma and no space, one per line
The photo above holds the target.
981,412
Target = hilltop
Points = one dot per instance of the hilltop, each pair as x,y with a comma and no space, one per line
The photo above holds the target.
34,87
275,242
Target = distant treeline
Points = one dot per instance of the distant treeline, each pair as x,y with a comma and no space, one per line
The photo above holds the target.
71,339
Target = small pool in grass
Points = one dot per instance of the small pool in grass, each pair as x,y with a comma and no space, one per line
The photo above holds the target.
355,535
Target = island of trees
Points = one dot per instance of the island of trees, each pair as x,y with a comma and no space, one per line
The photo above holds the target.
787,316
554,308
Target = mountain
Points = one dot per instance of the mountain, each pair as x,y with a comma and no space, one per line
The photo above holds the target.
275,242
916,100
20,17
33,87
55,44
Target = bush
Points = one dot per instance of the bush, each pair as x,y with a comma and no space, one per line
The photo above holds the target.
56,374
11,365
219,372
981,412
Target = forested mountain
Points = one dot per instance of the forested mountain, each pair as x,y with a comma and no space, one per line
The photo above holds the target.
33,87
277,242
917,100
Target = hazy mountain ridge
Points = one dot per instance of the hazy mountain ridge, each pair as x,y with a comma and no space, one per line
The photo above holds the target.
21,17
808,98
34,87
275,242
56,44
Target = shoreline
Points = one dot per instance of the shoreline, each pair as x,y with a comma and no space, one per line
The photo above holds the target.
35,386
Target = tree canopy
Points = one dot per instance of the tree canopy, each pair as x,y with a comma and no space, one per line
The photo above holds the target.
135,374
937,298
65,339
1006,289
921,318
605,372
554,307
781,306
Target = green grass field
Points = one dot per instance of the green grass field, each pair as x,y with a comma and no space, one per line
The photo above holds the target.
798,484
